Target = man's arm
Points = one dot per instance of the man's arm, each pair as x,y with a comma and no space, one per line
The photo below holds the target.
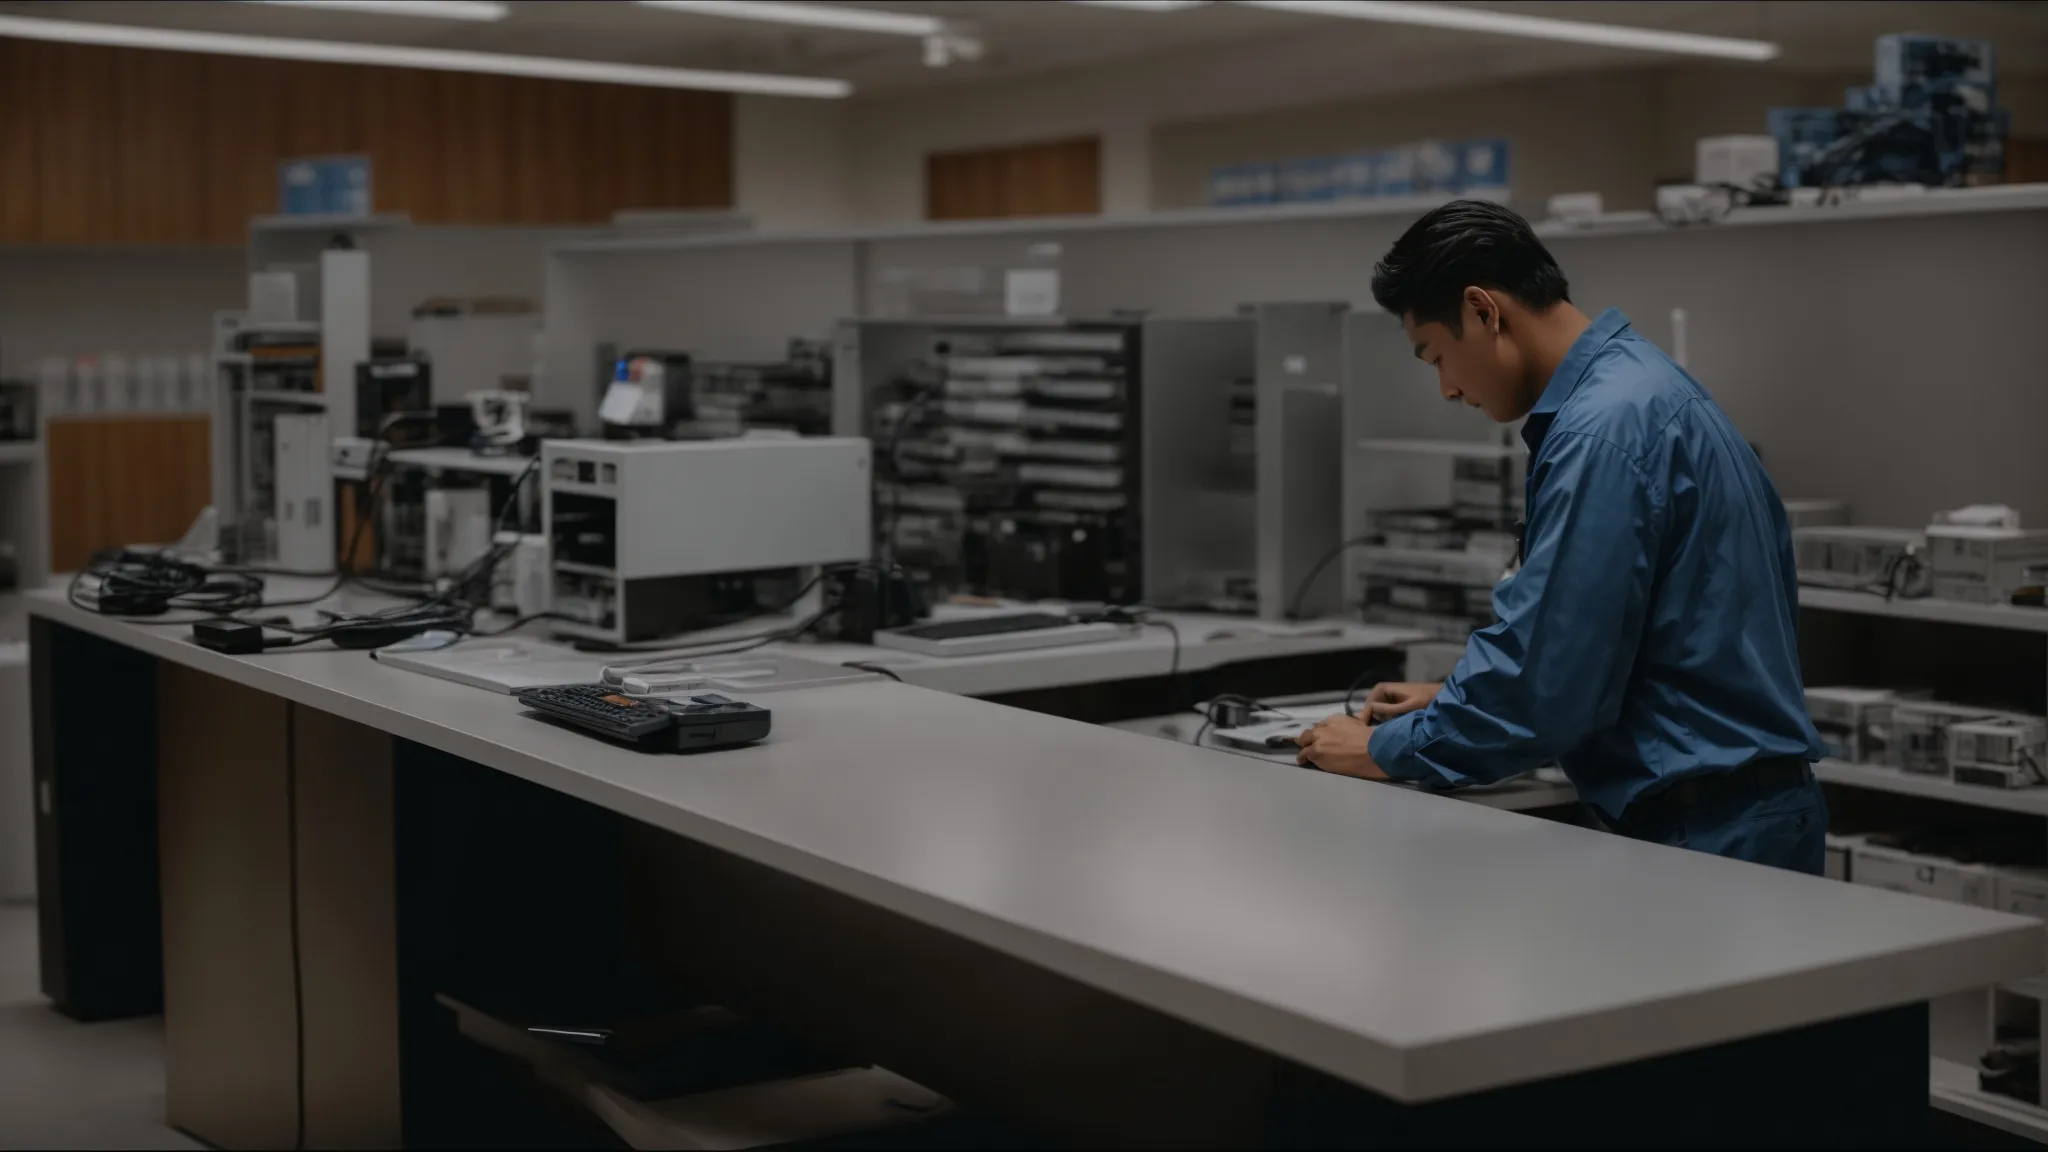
1555,668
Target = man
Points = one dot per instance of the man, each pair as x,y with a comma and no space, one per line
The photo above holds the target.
1648,643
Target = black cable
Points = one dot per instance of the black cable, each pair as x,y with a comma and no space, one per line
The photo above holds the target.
1253,703
875,668
521,622
1352,690
1301,590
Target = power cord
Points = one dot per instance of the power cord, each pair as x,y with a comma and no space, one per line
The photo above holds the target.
1301,590
877,669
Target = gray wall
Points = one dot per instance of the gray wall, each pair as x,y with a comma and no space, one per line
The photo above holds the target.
60,301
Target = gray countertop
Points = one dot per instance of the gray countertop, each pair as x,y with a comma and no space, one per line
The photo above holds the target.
1412,944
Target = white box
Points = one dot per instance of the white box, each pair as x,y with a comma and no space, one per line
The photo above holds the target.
2022,891
303,499
2003,752
1932,876
273,297
1851,721
1747,162
1840,852
1918,733
458,529
1854,557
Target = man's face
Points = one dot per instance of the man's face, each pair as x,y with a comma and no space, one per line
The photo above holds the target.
1478,365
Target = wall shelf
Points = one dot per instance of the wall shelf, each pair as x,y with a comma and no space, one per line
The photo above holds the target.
1940,611
1885,778
20,451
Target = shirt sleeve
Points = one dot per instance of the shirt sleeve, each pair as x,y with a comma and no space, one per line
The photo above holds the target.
1554,668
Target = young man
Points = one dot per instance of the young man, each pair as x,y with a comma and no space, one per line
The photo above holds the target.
1648,643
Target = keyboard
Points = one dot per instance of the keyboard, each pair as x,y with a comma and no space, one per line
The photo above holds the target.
1016,631
696,722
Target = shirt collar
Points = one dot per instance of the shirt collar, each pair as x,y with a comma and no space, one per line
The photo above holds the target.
1565,380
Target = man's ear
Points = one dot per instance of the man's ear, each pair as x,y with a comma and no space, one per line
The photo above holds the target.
1484,308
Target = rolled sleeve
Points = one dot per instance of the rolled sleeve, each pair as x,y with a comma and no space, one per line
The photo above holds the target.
1393,747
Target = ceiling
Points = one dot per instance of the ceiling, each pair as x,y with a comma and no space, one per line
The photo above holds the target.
1024,37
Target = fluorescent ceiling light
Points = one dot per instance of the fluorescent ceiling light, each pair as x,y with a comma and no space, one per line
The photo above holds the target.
441,9
1533,27
1143,5
438,59
809,15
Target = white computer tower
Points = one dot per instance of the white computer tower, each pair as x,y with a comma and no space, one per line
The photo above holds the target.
303,500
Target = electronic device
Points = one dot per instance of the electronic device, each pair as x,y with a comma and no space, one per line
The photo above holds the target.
1013,632
1748,162
701,722
1919,733
1854,723
303,492
864,601
1981,555
500,421
649,392
1008,457
389,384
649,538
1876,559
2003,752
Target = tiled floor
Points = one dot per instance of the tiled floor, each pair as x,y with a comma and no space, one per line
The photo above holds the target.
69,1085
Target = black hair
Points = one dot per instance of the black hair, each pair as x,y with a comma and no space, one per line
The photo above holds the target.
1463,244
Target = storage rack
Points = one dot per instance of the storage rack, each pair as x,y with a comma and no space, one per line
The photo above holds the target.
1007,459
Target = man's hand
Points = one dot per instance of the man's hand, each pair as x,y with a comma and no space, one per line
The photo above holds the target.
1390,699
1339,745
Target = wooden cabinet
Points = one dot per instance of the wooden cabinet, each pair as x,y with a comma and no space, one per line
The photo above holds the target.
131,146
1060,178
123,480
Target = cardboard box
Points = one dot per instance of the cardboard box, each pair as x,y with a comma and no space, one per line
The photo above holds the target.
1930,876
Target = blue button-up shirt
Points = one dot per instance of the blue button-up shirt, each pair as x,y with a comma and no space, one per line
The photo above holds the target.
1651,632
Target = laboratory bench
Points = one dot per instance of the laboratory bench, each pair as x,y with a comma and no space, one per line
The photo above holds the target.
1093,935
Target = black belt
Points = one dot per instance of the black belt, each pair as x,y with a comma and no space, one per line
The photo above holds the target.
1756,778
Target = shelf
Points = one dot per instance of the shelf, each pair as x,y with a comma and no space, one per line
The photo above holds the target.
2033,987
20,451
1934,202
328,222
575,569
1469,449
1884,778
1940,611
1952,1087
1407,207
282,396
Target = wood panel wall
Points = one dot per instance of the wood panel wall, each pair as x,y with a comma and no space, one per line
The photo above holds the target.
117,480
1058,178
133,146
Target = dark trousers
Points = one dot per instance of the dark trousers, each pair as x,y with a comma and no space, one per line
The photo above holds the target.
1778,822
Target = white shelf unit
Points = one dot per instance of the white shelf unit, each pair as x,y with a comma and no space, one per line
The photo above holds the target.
1927,608
1885,778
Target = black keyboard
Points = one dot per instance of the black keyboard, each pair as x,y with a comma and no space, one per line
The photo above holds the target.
657,724
986,626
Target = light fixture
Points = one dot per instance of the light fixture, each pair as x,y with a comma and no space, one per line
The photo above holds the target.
1143,5
437,9
438,59
809,15
1532,27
